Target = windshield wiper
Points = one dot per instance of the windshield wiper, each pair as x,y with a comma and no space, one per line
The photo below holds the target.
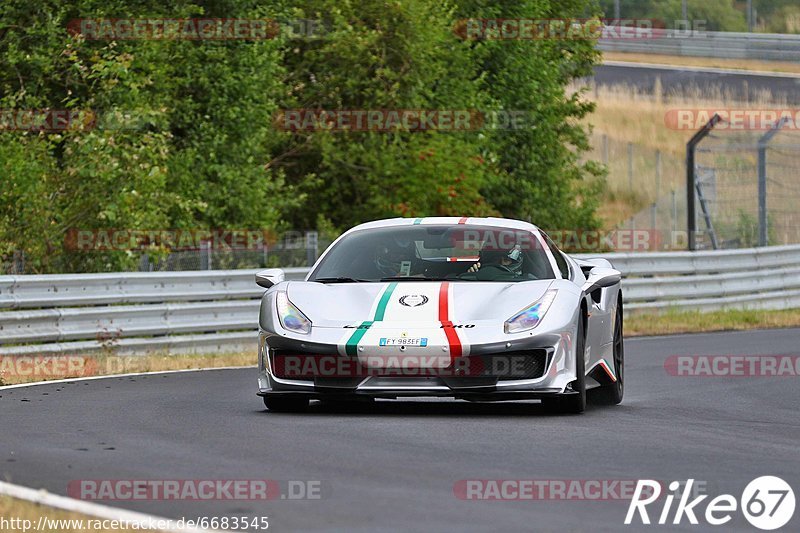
340,279
411,278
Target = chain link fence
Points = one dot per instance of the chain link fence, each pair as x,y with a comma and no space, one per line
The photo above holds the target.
293,249
646,187
747,191
748,188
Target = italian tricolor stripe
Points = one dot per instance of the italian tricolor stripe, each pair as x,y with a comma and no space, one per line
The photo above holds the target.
444,318
351,348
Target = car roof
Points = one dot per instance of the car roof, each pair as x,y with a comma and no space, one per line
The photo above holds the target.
506,223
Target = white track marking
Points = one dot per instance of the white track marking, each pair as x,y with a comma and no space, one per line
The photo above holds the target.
131,374
42,497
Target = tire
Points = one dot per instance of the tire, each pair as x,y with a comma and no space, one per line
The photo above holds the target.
574,403
286,404
611,393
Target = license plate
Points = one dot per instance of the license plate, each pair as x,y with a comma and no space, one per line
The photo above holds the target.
404,341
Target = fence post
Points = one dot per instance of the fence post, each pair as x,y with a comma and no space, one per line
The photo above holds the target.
653,223
630,166
763,231
312,242
658,173
205,255
19,262
691,146
762,194
674,212
605,149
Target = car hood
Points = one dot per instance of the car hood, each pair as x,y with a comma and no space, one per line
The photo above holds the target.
406,303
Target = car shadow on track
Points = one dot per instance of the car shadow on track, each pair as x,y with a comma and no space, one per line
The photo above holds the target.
454,408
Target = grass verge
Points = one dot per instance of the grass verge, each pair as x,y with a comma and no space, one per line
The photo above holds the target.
27,513
14,370
673,321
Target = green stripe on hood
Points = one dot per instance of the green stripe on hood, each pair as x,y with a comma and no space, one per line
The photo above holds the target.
351,348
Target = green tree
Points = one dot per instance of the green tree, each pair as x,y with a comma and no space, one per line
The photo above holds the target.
192,152
379,55
542,179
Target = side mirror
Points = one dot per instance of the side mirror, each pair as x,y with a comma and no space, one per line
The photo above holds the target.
269,277
600,277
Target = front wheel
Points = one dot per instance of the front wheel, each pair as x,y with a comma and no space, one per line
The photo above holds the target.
611,393
286,404
574,403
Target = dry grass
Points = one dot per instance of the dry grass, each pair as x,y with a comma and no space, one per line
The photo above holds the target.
737,64
102,365
672,322
11,508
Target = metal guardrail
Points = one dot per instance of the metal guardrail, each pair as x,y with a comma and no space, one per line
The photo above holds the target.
132,313
764,46
758,278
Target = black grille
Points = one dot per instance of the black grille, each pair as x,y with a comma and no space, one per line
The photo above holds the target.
529,364
343,371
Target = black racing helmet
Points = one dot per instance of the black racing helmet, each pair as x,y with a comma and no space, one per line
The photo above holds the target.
513,258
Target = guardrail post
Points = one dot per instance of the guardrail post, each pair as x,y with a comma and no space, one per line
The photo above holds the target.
691,147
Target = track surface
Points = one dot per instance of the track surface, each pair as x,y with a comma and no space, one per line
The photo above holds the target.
393,467
746,87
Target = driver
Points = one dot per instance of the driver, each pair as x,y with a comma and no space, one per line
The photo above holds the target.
498,264
395,258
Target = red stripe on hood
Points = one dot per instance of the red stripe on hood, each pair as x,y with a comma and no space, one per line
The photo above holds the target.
444,318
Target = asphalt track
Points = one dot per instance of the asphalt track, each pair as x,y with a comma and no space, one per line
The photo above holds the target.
393,466
688,80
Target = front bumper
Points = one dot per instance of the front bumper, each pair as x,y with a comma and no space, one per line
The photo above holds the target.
545,370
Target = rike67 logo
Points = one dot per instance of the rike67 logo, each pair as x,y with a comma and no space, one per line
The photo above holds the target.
767,503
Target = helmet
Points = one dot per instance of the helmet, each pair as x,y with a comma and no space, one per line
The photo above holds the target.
390,258
511,259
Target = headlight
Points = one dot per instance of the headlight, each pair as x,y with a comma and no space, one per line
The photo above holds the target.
530,317
290,316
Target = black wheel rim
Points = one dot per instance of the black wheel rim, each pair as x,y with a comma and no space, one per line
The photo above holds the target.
619,353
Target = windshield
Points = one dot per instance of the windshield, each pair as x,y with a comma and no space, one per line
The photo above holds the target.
435,252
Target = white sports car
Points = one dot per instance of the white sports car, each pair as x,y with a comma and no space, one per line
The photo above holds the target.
478,309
